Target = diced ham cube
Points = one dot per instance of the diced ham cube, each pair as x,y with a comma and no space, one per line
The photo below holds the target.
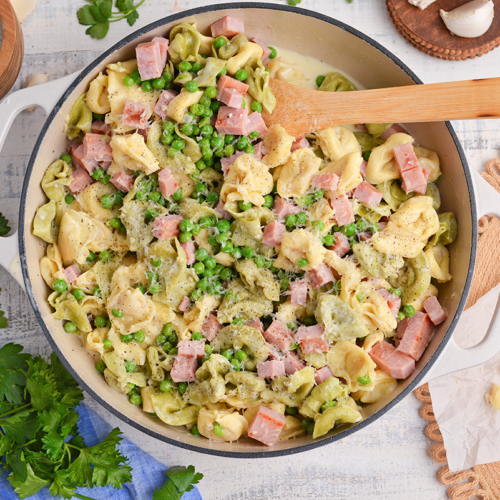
362,127
322,374
343,210
211,327
273,234
226,82
149,60
341,244
223,214
279,335
328,182
168,184
393,301
382,225
376,282
265,48
362,168
166,227
369,195
136,114
80,181
274,352
232,121
231,98
414,180
188,247
161,106
255,123
72,272
122,181
405,157
229,160
227,26
99,127
189,348
393,362
433,308
393,129
256,323
260,150
320,276
282,208
365,236
299,144
163,43
79,159
105,165
266,426
293,363
271,369
184,304
423,189
298,294
184,369
97,147
415,334
312,339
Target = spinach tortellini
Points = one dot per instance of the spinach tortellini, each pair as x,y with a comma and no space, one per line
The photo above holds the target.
79,119
336,82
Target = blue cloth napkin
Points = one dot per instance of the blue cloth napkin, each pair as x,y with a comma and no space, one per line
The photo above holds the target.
148,473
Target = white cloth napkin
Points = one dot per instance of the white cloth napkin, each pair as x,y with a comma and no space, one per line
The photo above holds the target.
470,426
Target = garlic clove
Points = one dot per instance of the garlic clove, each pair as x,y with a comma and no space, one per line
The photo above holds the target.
470,20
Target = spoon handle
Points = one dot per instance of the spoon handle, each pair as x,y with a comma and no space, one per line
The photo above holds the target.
309,110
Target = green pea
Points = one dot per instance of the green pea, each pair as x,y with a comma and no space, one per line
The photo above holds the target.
302,263
208,113
396,292
135,399
182,387
154,288
206,131
178,144
212,198
253,135
117,313
69,199
218,430
127,338
235,253
217,142
195,431
365,380
366,155
244,206
241,356
409,311
375,228
317,195
290,410
147,86
128,81
319,80
60,286
329,404
302,218
215,106
401,316
168,126
219,42
228,247
104,255
197,336
228,354
69,327
139,336
237,321
195,295
268,201
223,71
259,261
256,106
250,150
191,86
236,364
201,254
78,294
100,321
213,242
242,142
348,229
226,274
241,75
328,240
273,53
210,263
159,83
130,366
168,77
165,385
98,174
106,343
222,238
318,225
202,284
185,225
141,288
115,223
101,366
247,252
67,158
290,220
185,66
184,237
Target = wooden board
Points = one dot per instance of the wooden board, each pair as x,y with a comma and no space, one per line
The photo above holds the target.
426,31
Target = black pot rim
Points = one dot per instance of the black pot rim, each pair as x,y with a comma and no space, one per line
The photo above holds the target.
24,265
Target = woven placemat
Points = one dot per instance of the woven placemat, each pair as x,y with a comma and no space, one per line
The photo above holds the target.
482,482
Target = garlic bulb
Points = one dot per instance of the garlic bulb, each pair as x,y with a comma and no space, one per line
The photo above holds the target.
470,20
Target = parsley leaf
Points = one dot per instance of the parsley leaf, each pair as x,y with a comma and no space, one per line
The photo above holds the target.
99,14
181,479
4,225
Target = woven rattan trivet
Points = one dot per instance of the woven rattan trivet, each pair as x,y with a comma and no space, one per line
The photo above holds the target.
482,482
425,30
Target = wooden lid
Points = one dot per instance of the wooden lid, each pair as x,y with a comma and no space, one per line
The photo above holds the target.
11,55
425,30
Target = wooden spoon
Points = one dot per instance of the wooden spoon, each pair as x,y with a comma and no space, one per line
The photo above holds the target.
301,111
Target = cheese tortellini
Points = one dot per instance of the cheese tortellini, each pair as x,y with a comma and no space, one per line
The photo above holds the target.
297,173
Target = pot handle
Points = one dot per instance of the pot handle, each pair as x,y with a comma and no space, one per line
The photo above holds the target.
46,96
453,357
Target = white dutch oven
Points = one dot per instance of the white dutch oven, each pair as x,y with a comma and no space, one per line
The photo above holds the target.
307,33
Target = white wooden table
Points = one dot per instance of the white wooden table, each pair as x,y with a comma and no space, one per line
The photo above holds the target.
389,459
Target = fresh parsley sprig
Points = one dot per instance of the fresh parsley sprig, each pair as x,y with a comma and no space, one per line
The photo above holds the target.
181,479
40,444
4,225
99,14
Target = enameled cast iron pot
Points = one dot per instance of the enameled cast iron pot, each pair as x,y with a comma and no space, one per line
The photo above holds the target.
307,33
